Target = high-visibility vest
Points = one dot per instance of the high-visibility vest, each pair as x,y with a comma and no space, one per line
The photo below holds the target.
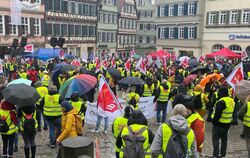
136,96
45,80
163,97
227,113
42,91
248,75
11,66
5,114
23,119
78,105
195,93
122,73
61,80
23,75
246,119
148,92
137,128
118,124
166,135
51,105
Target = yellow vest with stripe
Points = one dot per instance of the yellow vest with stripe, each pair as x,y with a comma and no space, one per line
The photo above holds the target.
227,113
78,105
23,119
23,75
12,127
136,128
11,67
45,80
246,119
195,93
148,92
51,105
42,91
167,133
163,97
137,98
248,75
122,73
118,124
61,80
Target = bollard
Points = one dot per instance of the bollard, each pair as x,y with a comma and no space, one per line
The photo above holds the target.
77,147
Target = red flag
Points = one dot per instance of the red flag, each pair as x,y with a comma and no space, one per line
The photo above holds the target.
108,105
236,75
164,63
173,57
201,59
76,63
184,63
141,66
97,65
113,63
132,52
29,48
61,54
128,65
105,64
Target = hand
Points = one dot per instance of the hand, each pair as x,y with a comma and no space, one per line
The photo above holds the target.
58,141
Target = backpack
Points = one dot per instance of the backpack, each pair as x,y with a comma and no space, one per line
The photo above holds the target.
133,101
79,128
177,145
197,102
4,127
134,144
29,123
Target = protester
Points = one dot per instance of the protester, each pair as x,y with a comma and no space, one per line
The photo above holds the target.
148,88
132,97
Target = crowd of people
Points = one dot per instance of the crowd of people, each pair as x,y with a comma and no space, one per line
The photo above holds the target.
180,134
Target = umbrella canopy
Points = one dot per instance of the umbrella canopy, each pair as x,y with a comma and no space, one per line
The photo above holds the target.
242,90
21,95
200,69
84,70
80,83
206,79
114,73
59,68
189,79
161,54
130,80
19,81
183,58
225,53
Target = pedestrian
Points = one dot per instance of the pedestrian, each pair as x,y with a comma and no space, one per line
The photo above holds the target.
148,88
161,97
137,129
28,128
52,112
8,115
169,138
132,97
244,115
222,119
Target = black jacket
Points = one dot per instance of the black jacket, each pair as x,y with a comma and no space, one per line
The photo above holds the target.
220,106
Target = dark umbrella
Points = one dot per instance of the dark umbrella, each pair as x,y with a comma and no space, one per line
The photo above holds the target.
200,69
133,81
21,95
59,68
114,73
189,79
83,70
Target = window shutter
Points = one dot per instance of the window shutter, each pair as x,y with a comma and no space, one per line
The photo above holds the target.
32,1
166,10
159,32
176,32
185,8
185,32
7,24
43,27
216,18
195,32
32,21
195,7
239,17
176,10
207,18
228,17
42,2
166,32
158,11
20,30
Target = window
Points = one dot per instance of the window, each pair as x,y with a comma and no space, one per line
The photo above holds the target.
191,8
13,29
64,29
57,30
152,40
212,18
25,25
233,17
105,17
144,39
217,47
110,18
99,37
235,48
171,10
162,11
144,26
73,7
48,29
222,19
245,16
191,32
37,27
1,24
37,1
114,37
171,32
181,32
101,17
152,27
162,34
180,9
109,36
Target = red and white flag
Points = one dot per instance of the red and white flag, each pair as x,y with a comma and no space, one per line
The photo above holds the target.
61,54
201,59
141,66
128,64
113,63
29,48
184,63
107,103
173,57
132,52
76,63
244,55
236,75
164,63
97,65
105,64
149,60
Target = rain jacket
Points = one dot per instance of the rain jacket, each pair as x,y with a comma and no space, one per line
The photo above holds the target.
68,125
179,123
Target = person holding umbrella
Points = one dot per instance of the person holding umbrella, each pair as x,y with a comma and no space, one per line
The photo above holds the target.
132,97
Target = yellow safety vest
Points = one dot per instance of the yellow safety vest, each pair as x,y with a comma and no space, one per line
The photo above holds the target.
11,67
12,127
246,119
167,133
61,80
137,128
148,92
23,119
45,80
227,113
51,105
42,91
137,98
122,73
163,97
248,74
195,93
23,75
118,124
78,105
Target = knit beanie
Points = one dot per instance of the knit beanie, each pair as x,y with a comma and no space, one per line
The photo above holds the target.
66,104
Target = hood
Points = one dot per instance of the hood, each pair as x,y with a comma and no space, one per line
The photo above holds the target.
178,123
73,112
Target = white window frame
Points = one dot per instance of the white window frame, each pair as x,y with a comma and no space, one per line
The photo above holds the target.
38,1
217,47
114,37
144,39
171,32
101,17
3,24
171,10
26,24
233,16
222,17
152,27
162,33
162,11
181,32
37,27
191,8
245,17
211,18
152,40
180,9
12,29
191,32
232,48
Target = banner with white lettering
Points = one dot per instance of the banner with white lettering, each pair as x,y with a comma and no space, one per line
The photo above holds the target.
15,12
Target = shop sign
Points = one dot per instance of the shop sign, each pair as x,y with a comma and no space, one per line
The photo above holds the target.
239,37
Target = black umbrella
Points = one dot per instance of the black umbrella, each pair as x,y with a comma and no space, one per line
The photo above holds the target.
21,95
200,69
114,73
83,70
133,81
